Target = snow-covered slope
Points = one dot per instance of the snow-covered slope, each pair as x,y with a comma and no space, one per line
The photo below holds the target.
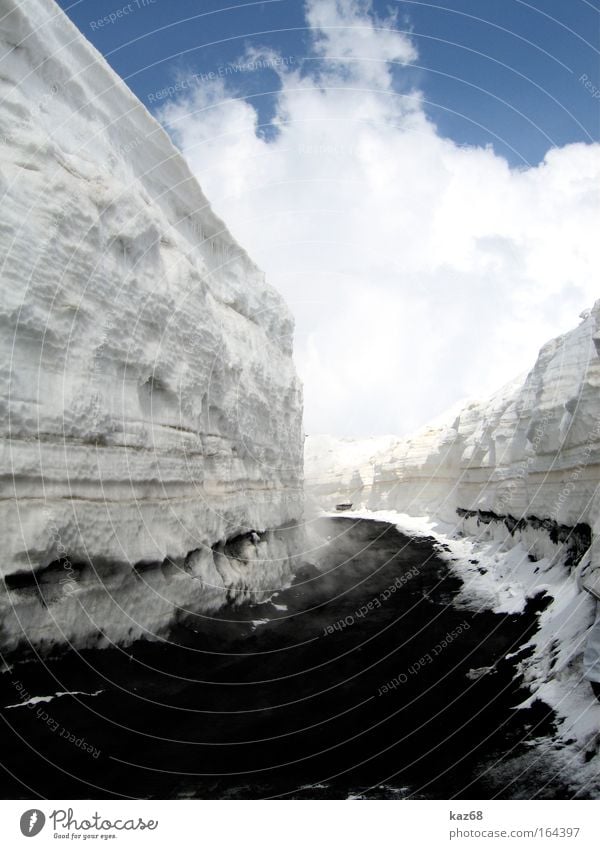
152,441
532,449
510,488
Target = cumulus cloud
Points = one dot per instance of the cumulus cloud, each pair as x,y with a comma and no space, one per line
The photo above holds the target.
419,271
355,42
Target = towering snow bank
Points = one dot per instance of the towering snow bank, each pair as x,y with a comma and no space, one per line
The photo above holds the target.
511,490
533,449
152,411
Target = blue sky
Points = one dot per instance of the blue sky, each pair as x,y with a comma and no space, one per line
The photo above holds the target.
419,180
502,73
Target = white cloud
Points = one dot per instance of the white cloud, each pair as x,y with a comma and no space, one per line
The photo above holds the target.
354,41
419,271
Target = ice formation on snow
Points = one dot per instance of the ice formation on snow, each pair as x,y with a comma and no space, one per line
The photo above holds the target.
152,438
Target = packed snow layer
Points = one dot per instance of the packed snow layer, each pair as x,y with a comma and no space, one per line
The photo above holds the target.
533,449
509,489
152,436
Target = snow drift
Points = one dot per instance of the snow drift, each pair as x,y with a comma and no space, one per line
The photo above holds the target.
152,441
531,450
510,489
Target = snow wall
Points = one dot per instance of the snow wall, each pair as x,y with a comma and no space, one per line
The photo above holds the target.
528,457
152,418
